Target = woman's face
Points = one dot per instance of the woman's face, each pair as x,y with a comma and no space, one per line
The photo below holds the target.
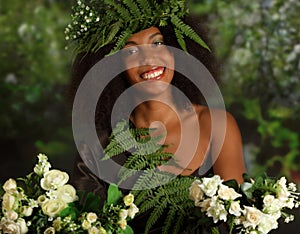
147,58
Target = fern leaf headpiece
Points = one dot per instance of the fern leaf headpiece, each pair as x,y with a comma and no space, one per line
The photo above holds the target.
96,23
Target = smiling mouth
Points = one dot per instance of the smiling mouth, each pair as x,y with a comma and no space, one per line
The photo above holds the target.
153,74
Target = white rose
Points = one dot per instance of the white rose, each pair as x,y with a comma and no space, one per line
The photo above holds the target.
196,193
267,223
22,225
10,185
128,199
8,202
8,226
49,230
12,215
91,217
53,207
227,193
93,230
54,179
235,208
252,217
210,185
67,193
123,214
133,209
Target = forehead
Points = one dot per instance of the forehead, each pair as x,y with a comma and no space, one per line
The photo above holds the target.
144,34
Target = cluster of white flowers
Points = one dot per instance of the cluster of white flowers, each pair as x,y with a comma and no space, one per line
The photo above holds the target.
82,20
213,197
16,204
130,212
42,166
12,220
48,206
219,201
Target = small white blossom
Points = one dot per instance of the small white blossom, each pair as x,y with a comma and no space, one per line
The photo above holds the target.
210,185
217,210
128,199
49,230
123,224
10,185
91,217
133,209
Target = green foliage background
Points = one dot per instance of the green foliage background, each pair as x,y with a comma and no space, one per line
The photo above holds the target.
34,71
256,41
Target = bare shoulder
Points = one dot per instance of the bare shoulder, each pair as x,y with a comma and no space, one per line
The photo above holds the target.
220,118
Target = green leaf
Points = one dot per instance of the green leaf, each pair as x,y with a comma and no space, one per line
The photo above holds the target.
247,189
232,184
113,194
91,203
71,211
128,230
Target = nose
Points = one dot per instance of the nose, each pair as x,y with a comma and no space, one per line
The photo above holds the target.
147,55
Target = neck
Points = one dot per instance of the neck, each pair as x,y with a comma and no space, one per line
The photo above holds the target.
152,111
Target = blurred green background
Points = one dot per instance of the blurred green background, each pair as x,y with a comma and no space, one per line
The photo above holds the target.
257,43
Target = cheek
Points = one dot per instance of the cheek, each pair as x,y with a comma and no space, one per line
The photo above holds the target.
131,75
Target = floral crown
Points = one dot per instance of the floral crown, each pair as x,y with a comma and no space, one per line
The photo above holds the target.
96,23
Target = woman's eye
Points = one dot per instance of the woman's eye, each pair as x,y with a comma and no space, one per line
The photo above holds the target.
130,51
158,43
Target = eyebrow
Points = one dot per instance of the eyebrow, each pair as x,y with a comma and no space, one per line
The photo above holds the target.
150,37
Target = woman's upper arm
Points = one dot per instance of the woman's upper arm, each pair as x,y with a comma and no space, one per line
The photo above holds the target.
229,163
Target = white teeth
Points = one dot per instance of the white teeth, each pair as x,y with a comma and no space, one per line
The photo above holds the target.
153,74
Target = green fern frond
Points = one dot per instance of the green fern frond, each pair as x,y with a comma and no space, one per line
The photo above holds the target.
180,39
188,31
169,221
149,203
121,41
145,7
133,8
155,191
113,30
124,13
157,212
140,195
178,223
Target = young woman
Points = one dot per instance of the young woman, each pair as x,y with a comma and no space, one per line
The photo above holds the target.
157,66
